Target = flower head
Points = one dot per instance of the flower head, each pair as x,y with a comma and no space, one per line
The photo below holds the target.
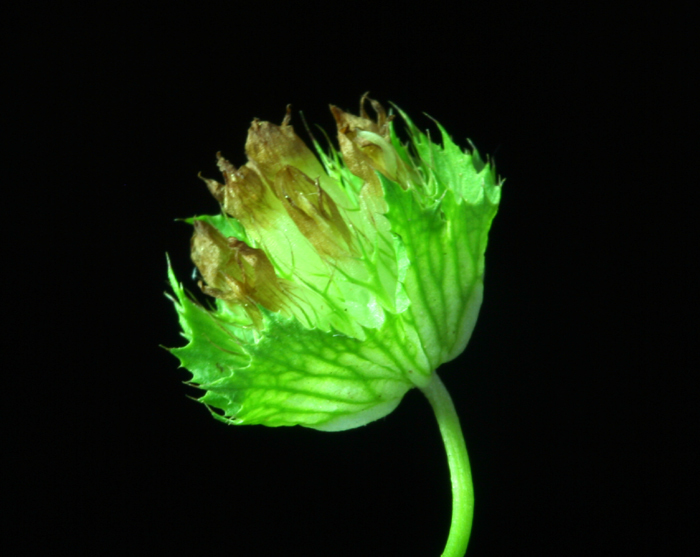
340,282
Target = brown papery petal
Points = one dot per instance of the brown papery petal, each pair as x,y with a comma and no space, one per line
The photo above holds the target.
314,212
271,148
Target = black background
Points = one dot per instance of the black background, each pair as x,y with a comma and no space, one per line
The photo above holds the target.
581,344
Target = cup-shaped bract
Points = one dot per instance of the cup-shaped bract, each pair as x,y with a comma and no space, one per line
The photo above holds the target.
339,282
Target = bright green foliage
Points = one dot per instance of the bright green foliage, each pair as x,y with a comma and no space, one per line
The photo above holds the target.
338,284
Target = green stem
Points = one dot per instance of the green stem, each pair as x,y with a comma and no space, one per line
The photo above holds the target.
460,472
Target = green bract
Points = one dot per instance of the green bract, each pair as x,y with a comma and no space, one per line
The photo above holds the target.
338,283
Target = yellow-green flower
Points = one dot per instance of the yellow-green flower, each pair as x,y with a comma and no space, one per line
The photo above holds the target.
341,280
